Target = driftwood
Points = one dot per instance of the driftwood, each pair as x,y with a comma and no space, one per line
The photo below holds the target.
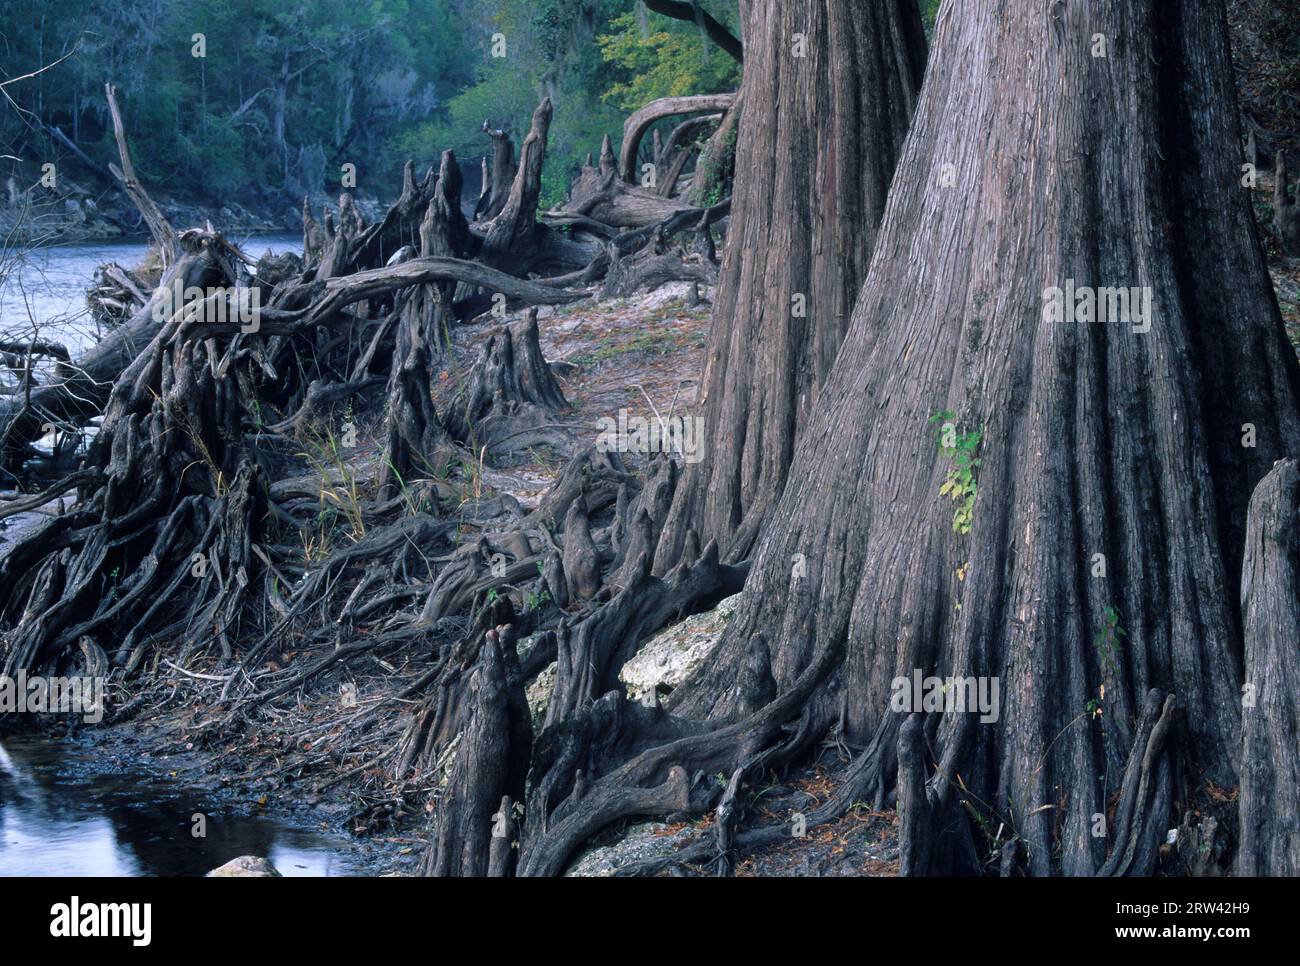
164,236
599,194
639,122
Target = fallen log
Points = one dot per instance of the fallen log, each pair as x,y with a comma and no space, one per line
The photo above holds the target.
34,347
600,194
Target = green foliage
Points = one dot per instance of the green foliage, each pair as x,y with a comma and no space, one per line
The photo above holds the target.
371,83
961,484
671,61
278,83
930,10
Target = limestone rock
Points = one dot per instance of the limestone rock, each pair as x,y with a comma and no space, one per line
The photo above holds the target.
245,867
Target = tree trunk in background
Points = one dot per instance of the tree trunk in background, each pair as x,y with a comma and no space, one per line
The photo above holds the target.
819,137
280,98
1269,803
1112,487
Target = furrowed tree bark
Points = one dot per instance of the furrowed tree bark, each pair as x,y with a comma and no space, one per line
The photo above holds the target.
515,224
1114,467
502,174
818,142
491,752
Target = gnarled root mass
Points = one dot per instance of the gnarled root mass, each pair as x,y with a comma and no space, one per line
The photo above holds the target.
221,526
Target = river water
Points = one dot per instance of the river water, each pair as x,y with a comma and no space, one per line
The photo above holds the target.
47,287
61,811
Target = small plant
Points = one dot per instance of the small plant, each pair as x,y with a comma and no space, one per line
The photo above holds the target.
340,492
961,484
1106,641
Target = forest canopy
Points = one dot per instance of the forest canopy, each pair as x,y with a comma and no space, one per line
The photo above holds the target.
212,84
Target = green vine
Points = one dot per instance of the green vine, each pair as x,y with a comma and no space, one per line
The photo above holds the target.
1106,641
961,483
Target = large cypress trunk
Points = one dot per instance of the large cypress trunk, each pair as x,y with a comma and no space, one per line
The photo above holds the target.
1096,577
829,92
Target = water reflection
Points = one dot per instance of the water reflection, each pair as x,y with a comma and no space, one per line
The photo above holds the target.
58,819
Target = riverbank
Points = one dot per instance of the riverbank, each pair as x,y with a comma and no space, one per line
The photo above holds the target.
74,214
321,751
94,802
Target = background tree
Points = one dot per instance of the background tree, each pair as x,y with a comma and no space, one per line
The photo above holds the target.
829,91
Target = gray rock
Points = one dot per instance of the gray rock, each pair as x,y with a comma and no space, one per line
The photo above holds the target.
672,654
538,694
245,867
